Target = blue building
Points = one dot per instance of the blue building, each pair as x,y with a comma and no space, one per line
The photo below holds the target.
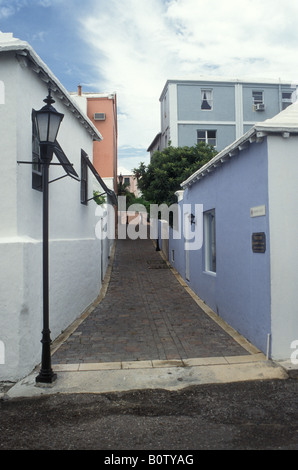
217,111
246,270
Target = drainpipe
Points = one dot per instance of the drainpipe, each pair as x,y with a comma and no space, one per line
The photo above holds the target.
268,346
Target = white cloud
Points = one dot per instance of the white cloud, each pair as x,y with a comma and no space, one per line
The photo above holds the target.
45,3
8,8
6,11
235,34
138,45
128,36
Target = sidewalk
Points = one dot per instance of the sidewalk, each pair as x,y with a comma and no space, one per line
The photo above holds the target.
149,330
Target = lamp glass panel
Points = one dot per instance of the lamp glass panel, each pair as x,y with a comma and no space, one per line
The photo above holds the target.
54,123
42,125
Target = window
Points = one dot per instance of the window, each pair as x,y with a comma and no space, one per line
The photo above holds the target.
206,136
64,162
210,241
207,99
85,166
258,100
286,99
258,97
127,181
84,180
36,166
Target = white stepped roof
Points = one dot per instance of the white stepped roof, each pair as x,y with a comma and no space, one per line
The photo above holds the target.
284,123
10,44
287,119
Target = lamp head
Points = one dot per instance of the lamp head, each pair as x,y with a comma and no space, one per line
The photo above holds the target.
48,121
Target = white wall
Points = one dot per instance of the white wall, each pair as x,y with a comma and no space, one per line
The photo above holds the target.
283,205
8,142
173,111
75,252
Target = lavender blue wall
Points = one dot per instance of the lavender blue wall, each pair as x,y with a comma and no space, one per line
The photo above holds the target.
240,290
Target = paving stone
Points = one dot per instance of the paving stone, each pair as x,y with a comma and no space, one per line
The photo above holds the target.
146,315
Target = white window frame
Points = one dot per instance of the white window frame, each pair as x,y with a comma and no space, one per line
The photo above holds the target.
37,181
206,138
258,100
285,102
207,96
210,241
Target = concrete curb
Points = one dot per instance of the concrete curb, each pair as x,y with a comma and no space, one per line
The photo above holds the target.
290,368
168,375
151,374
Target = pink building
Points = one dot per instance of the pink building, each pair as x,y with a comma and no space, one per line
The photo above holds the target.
101,109
131,182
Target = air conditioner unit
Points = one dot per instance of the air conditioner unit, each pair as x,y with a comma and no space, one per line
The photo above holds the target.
260,107
99,117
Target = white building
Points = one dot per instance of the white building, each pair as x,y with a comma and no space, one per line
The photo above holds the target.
76,254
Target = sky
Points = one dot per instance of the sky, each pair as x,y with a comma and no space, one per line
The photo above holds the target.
132,47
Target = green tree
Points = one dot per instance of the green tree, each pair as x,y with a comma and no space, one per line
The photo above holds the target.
123,190
168,168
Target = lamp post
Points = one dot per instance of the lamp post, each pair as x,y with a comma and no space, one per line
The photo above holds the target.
120,182
120,192
48,121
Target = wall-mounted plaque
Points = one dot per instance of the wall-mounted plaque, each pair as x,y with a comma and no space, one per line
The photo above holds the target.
258,242
258,211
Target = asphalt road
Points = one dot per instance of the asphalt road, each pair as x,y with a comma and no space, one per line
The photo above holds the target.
260,415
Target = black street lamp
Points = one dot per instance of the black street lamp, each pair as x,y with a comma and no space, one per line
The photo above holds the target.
120,182
48,121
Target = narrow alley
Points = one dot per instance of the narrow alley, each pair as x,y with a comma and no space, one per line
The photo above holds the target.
146,315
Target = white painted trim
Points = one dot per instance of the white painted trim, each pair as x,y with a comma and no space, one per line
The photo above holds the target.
173,118
206,123
239,109
32,60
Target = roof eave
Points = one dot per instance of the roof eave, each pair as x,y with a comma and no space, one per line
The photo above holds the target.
23,49
220,158
255,134
155,140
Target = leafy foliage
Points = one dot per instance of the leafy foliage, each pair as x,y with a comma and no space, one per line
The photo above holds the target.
123,190
99,199
168,169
